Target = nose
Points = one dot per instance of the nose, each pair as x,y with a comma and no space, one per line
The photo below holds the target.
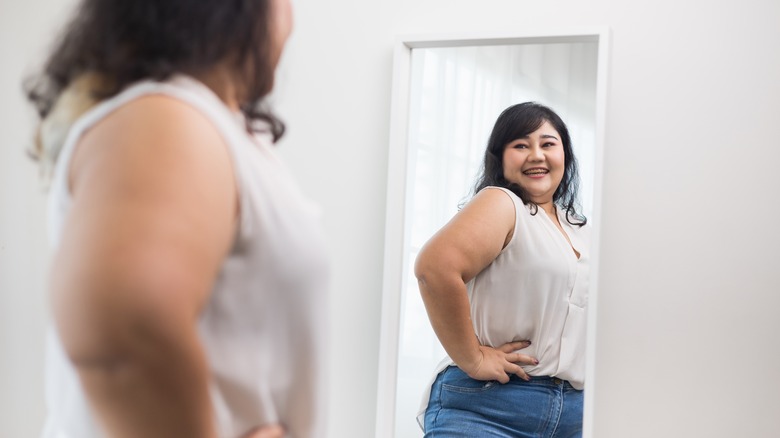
536,154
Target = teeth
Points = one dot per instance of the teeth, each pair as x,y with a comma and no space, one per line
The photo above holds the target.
535,172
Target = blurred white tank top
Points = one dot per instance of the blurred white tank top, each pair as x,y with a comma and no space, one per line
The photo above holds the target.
537,290
264,327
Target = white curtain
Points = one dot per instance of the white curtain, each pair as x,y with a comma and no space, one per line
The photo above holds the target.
456,95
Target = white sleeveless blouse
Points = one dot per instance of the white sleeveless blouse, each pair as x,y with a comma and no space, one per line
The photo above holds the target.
264,327
537,290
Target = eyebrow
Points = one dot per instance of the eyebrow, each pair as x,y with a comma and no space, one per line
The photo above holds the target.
526,137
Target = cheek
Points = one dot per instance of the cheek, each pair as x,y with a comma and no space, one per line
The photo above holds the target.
560,160
510,162
287,17
560,167
282,20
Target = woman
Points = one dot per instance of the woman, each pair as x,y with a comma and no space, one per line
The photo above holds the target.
178,309
505,286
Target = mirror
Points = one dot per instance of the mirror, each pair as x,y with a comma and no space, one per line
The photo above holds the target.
447,94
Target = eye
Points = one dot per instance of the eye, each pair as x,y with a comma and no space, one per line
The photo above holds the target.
520,146
548,144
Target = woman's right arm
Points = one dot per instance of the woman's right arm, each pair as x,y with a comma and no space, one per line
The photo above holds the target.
449,260
153,215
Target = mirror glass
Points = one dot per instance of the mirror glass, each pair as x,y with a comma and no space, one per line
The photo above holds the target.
456,94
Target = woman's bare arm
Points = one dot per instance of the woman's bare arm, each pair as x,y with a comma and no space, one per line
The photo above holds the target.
153,216
449,260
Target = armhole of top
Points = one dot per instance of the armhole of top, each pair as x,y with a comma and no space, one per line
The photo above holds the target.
190,97
514,200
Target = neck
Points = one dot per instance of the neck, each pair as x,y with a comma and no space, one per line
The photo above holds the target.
548,207
221,82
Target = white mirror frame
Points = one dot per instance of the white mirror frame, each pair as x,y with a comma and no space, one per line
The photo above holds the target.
398,179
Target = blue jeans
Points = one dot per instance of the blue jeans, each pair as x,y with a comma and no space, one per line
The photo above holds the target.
460,406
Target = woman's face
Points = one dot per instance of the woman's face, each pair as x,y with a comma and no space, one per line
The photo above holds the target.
536,163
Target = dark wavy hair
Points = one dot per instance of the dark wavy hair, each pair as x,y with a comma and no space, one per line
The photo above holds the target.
124,41
518,121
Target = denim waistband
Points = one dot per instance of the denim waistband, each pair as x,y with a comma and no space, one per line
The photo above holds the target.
542,380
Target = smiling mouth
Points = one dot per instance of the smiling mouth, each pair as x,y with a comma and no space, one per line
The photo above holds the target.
536,171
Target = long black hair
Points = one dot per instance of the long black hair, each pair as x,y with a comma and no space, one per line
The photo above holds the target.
518,121
123,41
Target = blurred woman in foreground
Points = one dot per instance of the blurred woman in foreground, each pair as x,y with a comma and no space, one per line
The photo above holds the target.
189,271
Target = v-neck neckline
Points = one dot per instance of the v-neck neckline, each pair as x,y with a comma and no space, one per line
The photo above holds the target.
562,232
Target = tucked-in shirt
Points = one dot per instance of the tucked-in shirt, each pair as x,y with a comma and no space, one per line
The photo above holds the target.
264,327
537,290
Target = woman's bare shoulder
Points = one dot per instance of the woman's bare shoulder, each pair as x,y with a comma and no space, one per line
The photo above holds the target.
152,181
493,202
150,134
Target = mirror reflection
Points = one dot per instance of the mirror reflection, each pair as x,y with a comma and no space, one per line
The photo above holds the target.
456,95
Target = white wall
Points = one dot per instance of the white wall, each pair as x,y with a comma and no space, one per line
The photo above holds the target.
687,340
25,31
687,337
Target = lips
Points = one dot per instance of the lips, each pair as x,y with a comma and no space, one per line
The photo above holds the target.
536,171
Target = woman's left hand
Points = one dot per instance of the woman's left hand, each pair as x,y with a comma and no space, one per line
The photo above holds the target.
497,363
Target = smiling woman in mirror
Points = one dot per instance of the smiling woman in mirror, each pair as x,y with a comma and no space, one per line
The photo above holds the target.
505,287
